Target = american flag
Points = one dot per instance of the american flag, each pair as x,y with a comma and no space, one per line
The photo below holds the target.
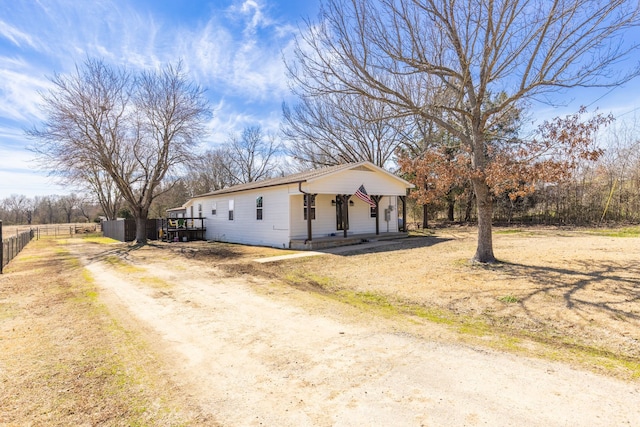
361,194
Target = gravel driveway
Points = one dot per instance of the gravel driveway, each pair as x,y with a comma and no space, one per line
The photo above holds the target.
250,357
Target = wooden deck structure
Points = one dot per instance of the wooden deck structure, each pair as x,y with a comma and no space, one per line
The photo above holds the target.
183,229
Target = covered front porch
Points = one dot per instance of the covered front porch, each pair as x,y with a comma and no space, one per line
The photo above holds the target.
319,243
329,220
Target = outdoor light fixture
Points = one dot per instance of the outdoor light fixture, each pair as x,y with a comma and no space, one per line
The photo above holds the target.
333,203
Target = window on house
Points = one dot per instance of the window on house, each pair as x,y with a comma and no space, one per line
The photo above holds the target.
213,208
259,208
199,210
373,211
313,206
230,210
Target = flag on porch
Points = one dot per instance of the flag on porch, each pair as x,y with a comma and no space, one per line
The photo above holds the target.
361,194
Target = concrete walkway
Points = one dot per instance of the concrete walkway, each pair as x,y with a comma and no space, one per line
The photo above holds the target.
335,251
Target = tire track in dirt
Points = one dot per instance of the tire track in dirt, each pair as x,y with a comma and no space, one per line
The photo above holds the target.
248,359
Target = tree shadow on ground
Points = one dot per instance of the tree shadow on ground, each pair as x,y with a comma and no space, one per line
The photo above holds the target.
414,242
612,288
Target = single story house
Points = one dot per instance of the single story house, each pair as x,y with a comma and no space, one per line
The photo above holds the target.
306,210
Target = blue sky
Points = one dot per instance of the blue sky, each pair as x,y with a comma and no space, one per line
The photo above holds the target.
233,48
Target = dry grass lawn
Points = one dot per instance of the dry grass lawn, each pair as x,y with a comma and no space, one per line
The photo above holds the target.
64,359
563,294
567,295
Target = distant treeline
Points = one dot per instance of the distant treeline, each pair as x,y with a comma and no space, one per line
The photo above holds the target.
19,209
604,192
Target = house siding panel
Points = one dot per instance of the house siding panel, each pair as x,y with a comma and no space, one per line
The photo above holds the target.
347,182
272,230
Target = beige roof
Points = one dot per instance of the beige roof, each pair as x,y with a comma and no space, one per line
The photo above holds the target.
299,177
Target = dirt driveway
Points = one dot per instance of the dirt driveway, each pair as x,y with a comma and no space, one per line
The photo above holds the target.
252,354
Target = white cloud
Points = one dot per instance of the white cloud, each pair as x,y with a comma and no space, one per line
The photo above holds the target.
19,174
15,36
29,183
19,87
235,53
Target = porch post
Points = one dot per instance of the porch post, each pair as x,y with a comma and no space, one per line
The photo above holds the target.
345,219
376,200
404,213
309,228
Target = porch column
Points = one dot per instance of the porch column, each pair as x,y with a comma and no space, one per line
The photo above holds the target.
309,198
404,213
376,200
344,199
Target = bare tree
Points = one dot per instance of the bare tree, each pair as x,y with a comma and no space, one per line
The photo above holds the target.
87,208
335,128
138,129
446,61
98,182
16,206
252,156
210,171
69,204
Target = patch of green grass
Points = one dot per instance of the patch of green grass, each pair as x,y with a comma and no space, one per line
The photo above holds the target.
462,262
510,343
431,314
475,327
617,232
368,300
604,360
96,238
509,299
155,282
121,264
509,231
309,280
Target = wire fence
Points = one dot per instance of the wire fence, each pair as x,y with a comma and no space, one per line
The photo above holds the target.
11,246
15,238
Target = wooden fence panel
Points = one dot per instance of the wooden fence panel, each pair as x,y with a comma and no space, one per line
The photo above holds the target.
113,230
125,230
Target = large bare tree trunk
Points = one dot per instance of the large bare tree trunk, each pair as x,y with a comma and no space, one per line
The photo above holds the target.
484,203
141,217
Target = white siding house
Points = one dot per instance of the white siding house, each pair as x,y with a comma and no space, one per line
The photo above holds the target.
274,212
